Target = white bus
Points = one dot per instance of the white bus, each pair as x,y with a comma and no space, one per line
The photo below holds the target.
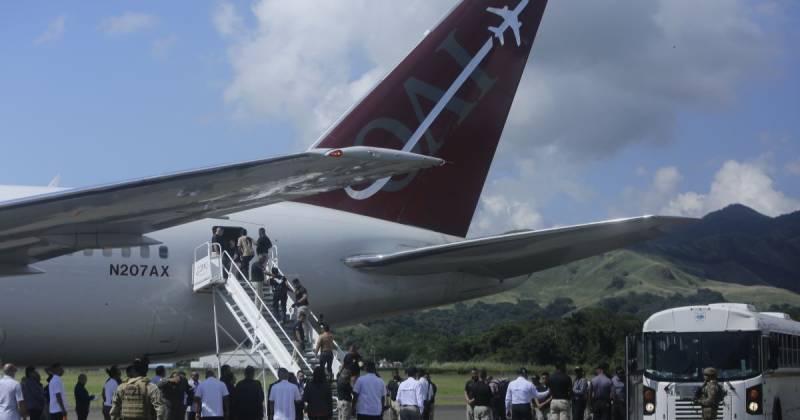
756,354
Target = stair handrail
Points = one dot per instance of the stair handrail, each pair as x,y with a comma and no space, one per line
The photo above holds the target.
314,325
255,348
264,307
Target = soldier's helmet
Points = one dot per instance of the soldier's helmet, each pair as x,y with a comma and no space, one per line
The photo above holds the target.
710,372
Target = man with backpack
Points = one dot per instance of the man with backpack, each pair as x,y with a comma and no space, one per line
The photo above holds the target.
137,398
710,395
246,252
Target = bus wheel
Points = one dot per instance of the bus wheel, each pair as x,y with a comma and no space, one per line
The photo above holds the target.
776,411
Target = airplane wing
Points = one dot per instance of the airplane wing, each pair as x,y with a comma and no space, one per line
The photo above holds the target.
44,226
520,253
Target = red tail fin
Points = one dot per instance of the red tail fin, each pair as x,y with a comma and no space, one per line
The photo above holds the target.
449,98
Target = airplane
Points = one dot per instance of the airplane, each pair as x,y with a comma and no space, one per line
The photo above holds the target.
100,275
510,20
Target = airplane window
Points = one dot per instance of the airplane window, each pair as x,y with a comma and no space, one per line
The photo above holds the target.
88,252
144,251
106,252
163,252
126,252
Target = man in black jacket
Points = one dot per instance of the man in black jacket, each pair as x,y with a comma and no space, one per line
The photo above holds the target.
561,391
82,398
249,397
173,391
280,293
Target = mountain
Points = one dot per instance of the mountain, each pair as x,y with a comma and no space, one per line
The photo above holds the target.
736,245
735,252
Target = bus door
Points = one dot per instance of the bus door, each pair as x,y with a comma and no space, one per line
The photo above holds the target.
634,359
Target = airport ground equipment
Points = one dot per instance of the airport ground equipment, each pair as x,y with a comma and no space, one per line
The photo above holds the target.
756,356
266,338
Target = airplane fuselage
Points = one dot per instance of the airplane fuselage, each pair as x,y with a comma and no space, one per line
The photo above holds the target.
107,306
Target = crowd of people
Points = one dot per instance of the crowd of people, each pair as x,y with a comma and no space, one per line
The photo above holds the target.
363,395
545,396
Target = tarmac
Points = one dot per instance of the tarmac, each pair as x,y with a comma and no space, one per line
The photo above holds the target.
446,412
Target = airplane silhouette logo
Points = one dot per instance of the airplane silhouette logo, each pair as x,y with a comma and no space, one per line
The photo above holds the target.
510,21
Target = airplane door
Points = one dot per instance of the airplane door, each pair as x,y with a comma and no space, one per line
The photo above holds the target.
634,356
168,328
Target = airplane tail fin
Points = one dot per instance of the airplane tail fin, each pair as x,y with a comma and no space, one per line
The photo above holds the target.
449,98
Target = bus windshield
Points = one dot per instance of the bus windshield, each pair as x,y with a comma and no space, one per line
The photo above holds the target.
681,357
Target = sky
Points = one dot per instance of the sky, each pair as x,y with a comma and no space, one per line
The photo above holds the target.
626,107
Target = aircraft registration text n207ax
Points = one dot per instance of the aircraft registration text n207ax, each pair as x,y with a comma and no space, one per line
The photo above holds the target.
370,217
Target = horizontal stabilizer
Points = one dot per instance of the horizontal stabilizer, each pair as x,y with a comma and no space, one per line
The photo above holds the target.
520,253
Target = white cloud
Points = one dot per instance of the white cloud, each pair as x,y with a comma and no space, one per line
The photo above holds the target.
499,213
307,61
793,167
602,76
126,23
735,182
662,188
54,31
227,20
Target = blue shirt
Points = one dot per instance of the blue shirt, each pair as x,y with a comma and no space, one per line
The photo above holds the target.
601,387
370,390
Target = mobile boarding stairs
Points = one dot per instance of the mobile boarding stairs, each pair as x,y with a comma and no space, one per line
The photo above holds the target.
268,342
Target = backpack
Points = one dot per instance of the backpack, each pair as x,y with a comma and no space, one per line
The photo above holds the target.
135,401
246,247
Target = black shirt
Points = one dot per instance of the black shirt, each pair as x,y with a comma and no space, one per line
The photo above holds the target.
468,388
257,272
319,400
560,386
344,391
279,288
82,398
263,244
300,293
351,362
541,389
481,393
392,386
249,397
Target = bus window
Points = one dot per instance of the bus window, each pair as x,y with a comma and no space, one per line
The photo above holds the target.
682,356
163,252
144,251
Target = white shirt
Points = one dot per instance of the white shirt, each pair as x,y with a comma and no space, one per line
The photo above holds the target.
211,392
57,387
370,390
522,391
283,395
426,389
192,387
108,391
10,396
410,393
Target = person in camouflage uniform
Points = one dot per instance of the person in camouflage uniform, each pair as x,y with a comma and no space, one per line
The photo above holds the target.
137,398
710,395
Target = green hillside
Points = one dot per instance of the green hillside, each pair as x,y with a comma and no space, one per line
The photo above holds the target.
615,274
